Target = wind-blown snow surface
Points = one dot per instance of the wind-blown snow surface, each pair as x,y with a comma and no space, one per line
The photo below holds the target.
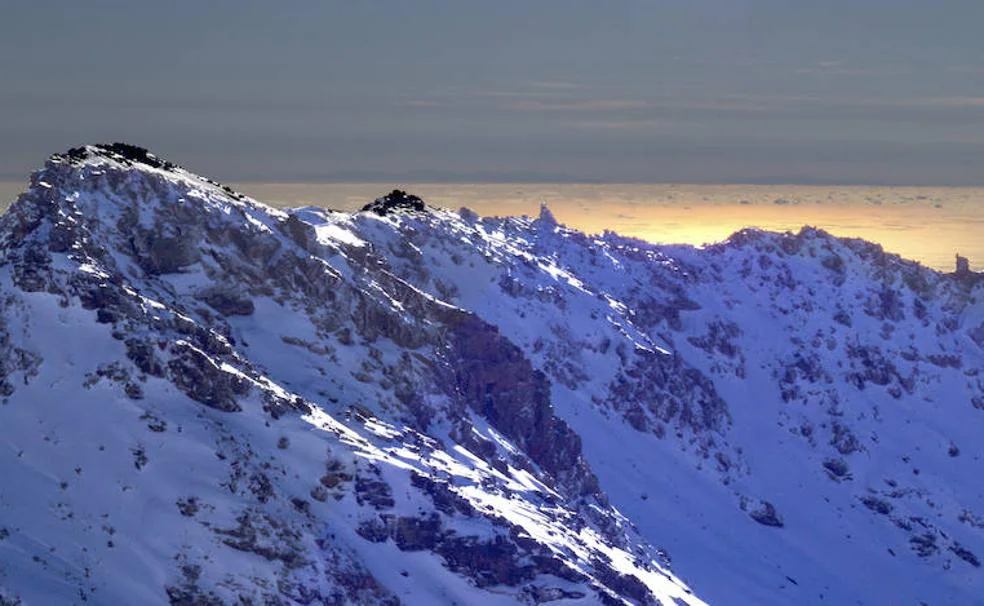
207,399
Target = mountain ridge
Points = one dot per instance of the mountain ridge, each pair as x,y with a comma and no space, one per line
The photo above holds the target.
513,411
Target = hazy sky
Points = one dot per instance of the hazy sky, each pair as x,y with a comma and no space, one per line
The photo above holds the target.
847,91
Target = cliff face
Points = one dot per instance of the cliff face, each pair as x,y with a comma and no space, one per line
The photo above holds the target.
411,405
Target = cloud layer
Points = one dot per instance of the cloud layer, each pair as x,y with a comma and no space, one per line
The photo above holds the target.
706,91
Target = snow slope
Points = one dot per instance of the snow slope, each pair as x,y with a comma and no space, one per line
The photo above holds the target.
206,400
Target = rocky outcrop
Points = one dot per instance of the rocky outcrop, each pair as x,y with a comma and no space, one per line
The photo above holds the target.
194,373
228,302
491,376
395,201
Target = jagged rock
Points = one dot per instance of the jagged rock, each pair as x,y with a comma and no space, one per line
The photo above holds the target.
838,468
490,563
204,381
228,303
122,151
962,266
966,555
494,378
767,515
395,201
374,493
877,505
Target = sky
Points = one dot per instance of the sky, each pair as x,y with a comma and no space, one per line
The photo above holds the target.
691,91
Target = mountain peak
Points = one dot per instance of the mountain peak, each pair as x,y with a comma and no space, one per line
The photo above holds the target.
120,157
124,153
396,201
546,215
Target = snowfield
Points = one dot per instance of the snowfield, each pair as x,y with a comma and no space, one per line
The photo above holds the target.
209,401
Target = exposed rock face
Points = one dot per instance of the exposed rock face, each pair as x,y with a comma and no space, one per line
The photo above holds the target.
963,266
125,153
674,395
493,378
228,302
767,515
194,373
395,201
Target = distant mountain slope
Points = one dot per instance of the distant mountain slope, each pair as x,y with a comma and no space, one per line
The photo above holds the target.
209,401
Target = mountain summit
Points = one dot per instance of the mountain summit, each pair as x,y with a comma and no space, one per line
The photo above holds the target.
396,200
209,401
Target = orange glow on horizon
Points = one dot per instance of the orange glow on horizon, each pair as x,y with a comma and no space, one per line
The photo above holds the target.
929,225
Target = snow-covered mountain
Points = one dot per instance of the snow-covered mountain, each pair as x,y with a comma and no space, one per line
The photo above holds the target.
209,401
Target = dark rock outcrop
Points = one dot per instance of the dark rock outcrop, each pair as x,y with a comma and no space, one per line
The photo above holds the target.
767,515
493,377
395,201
